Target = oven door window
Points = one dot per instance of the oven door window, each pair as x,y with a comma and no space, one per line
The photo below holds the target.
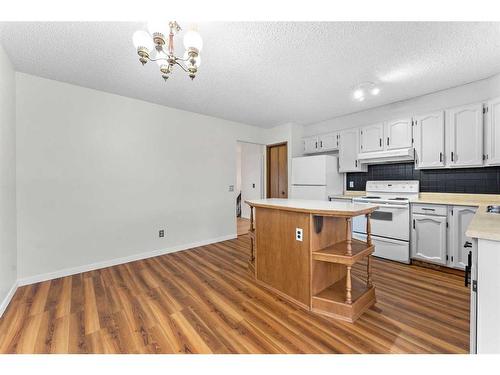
381,215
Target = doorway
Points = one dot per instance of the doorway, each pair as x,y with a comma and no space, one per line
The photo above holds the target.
249,180
277,171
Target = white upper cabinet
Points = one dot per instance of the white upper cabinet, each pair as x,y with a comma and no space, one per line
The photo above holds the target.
464,129
492,133
371,138
428,131
398,134
310,145
348,151
328,142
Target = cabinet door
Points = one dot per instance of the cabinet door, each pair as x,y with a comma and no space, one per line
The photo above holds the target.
461,217
371,138
464,135
348,152
429,140
398,134
492,134
328,142
310,145
428,241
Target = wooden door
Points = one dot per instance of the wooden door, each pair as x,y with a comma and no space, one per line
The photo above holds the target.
429,240
429,140
464,133
277,171
398,134
372,138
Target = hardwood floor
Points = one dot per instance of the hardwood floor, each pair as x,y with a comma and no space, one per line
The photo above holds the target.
243,226
203,300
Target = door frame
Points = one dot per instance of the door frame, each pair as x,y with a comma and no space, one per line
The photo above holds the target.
268,169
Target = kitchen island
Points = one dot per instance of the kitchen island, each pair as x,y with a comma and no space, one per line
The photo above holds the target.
303,251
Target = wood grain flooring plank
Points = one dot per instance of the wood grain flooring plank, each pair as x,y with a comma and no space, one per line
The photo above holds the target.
204,300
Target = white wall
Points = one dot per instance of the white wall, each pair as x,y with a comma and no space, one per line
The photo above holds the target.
252,174
470,93
8,246
99,174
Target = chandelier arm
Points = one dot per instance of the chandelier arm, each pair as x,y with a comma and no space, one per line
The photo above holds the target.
182,67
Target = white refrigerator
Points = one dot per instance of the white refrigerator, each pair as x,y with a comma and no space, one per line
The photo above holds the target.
316,177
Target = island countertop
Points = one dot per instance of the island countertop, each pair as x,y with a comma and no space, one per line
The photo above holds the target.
315,207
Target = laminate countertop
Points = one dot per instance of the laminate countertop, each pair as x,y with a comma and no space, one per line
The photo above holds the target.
317,207
484,225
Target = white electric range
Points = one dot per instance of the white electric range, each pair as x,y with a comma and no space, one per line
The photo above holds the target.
390,223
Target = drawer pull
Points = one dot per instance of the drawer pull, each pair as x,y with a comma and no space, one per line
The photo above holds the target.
428,209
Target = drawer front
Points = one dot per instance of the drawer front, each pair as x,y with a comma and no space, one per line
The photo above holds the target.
429,209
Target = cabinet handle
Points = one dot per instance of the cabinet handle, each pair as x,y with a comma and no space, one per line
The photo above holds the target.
387,141
413,223
380,141
428,209
316,144
452,156
321,144
468,269
356,163
468,244
441,157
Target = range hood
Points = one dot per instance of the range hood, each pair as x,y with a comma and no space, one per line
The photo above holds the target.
390,156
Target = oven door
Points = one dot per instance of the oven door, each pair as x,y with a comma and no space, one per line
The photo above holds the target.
389,220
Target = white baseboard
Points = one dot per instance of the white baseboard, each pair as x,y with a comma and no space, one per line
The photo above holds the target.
113,262
8,298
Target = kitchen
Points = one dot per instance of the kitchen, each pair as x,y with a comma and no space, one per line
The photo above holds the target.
435,179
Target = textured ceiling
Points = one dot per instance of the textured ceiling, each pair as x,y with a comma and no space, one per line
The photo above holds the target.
263,73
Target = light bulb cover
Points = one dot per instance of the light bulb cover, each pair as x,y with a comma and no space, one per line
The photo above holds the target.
192,39
163,57
375,91
142,39
358,93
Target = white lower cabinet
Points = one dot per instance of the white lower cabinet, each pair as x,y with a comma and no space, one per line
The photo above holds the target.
429,238
460,245
438,234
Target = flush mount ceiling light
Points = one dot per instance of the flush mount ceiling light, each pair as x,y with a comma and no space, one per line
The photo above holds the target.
160,38
365,89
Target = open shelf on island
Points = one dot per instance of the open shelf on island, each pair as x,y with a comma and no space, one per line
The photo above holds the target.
331,301
337,253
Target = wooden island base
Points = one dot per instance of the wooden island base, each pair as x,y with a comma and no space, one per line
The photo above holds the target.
314,272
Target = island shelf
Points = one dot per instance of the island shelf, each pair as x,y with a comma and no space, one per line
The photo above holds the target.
314,272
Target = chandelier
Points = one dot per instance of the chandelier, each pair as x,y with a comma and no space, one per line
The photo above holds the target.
160,41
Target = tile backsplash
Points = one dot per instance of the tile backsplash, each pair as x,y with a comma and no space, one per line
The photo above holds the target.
465,180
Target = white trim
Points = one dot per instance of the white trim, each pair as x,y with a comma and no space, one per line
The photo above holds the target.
8,298
116,261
